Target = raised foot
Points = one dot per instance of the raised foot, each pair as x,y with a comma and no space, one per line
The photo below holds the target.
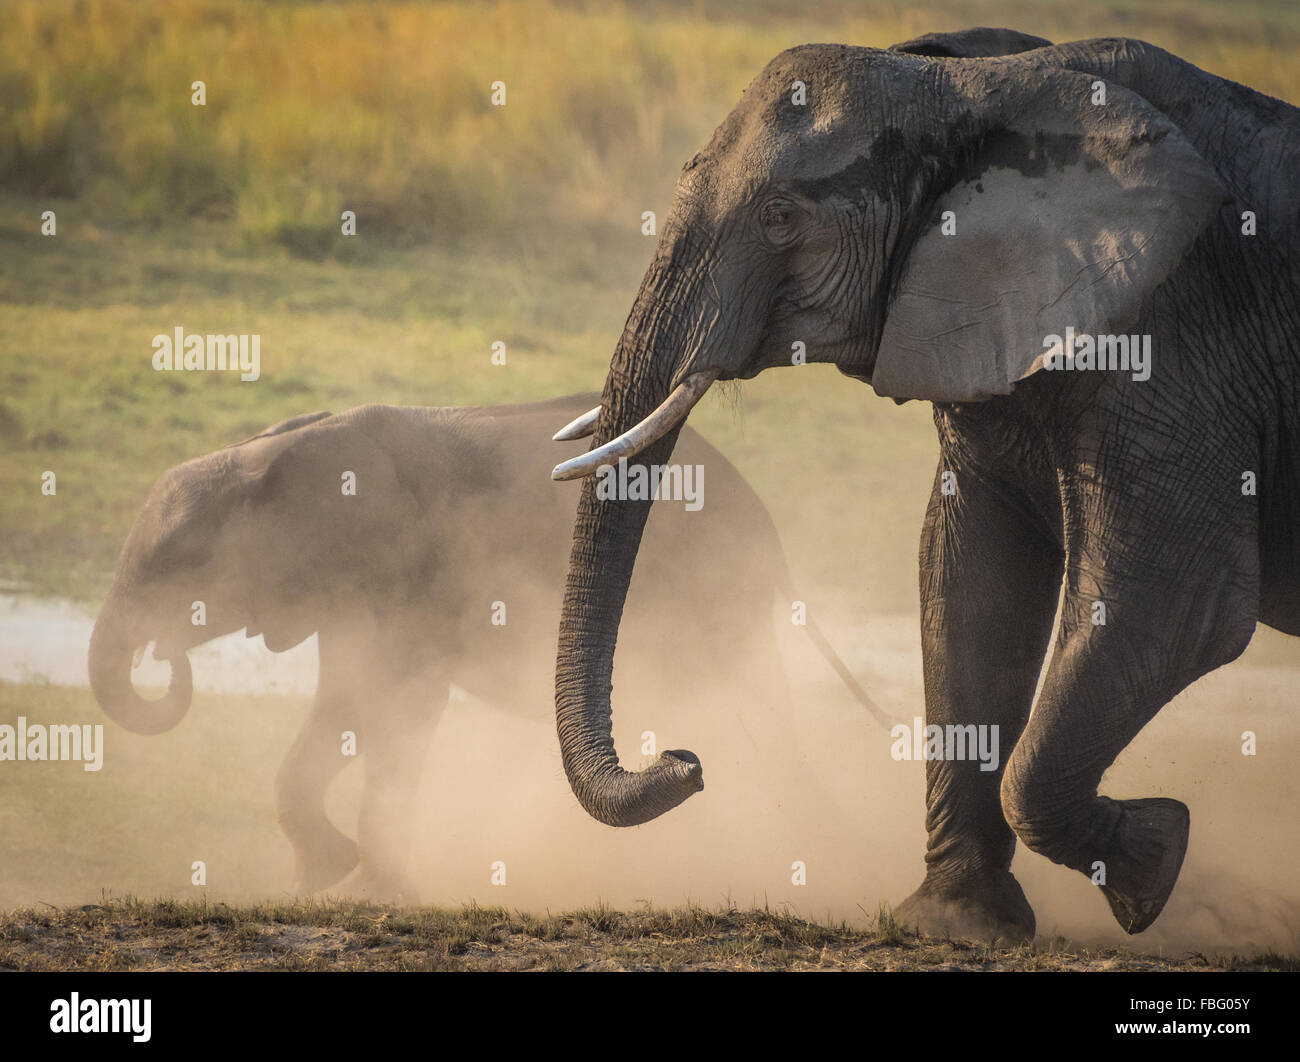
1147,854
991,906
328,864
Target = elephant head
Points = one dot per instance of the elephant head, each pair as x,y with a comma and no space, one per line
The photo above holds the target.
250,537
922,224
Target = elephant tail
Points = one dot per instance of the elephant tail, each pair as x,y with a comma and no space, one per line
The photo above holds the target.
785,585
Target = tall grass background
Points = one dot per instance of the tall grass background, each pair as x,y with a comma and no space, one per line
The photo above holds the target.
475,224
384,107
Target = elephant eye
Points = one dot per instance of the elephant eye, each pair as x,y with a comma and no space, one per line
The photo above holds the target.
776,213
777,217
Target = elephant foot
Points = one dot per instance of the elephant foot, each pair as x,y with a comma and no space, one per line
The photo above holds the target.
1147,854
990,906
327,864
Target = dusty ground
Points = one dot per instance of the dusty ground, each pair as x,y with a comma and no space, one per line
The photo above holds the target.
341,935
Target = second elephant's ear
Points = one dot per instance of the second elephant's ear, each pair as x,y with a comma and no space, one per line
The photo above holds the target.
1069,213
978,43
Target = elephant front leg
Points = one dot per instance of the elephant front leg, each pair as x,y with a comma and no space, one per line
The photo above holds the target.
990,579
322,854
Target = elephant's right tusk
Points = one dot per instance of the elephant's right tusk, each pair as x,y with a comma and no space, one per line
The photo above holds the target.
579,427
670,413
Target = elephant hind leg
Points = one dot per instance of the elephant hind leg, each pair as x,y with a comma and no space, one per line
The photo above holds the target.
1103,685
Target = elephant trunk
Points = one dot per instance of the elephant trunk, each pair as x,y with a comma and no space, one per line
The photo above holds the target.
111,651
606,538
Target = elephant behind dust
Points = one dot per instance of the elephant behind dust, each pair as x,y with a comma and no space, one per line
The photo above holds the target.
427,548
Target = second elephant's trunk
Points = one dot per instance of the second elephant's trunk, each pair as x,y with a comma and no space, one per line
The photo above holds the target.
111,651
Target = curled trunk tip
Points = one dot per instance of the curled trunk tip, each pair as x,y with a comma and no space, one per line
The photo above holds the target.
110,660
629,798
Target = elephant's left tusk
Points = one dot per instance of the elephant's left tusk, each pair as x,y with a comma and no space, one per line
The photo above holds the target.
579,427
671,413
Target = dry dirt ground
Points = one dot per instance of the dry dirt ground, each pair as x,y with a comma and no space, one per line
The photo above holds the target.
342,935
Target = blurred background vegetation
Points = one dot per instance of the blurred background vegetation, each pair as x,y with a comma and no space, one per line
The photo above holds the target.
475,223
383,108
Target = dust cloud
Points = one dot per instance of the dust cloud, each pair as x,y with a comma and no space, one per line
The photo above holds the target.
799,785
856,818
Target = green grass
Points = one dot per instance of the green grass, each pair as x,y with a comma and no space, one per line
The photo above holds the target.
78,395
202,791
411,326
476,224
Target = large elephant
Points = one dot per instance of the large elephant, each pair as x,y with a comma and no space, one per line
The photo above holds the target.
934,227
427,548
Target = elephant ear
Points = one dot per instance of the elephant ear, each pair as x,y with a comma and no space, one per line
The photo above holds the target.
1068,213
285,426
977,43
328,521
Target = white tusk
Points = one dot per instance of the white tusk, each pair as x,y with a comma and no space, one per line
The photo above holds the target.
579,427
671,413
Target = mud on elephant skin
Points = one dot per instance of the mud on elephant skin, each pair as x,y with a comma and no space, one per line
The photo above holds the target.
932,224
450,512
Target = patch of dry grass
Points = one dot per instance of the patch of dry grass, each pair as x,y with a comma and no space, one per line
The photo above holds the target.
134,934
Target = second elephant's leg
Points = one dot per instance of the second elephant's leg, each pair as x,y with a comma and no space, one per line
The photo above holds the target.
322,853
990,580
